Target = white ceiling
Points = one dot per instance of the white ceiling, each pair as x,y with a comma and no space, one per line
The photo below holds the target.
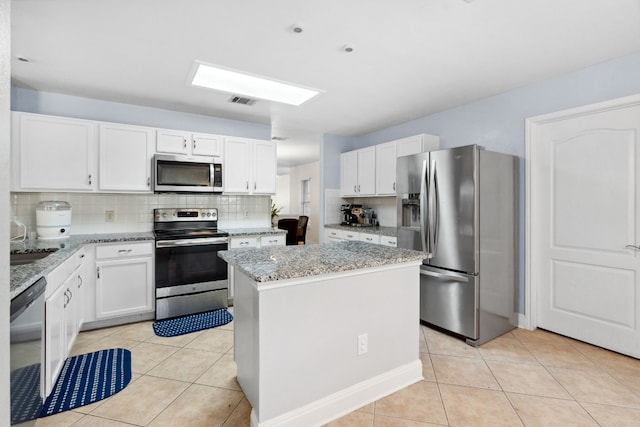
410,58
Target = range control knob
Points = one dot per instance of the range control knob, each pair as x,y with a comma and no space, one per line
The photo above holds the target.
208,213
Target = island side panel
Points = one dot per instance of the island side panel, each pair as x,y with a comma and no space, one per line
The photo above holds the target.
245,335
308,335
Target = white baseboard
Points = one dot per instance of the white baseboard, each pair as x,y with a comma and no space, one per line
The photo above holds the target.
523,322
338,404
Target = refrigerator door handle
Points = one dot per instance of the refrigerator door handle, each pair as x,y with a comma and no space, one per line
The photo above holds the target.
430,201
449,275
436,210
424,219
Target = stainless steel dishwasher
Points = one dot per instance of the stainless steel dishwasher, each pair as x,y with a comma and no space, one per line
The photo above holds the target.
26,343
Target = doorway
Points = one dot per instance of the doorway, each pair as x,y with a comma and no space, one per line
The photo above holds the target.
583,224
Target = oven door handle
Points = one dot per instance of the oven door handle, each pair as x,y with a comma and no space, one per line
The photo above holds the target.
191,242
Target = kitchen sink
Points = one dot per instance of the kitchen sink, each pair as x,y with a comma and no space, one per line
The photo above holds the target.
28,258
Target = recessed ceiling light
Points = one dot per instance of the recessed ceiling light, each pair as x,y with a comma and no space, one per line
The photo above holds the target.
239,83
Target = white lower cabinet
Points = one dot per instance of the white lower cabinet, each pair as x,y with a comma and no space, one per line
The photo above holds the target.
55,335
251,242
243,242
275,240
369,238
389,241
124,280
63,315
335,235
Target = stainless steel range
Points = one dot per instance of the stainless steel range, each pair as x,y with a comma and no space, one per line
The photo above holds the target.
190,277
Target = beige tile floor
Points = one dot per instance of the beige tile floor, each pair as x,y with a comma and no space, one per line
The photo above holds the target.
524,378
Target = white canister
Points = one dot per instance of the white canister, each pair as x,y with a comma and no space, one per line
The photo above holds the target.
53,220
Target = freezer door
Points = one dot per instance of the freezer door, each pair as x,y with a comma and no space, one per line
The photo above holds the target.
411,185
453,209
449,300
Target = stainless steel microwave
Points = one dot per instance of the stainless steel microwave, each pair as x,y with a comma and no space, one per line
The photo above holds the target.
187,174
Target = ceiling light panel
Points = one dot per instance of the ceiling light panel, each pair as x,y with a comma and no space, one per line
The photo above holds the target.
238,83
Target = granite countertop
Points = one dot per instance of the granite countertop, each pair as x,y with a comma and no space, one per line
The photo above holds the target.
23,276
289,262
261,231
378,230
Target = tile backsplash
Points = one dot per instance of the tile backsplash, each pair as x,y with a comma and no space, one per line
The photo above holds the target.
134,212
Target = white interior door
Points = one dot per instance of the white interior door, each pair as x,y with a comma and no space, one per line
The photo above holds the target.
584,211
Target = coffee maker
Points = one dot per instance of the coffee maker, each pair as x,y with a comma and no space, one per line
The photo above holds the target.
350,214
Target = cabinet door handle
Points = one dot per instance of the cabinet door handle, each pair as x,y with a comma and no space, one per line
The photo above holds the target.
247,185
194,144
358,188
66,299
89,179
124,250
355,189
79,281
244,243
148,181
185,142
394,186
255,185
98,272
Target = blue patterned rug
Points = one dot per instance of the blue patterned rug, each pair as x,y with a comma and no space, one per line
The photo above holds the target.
88,378
192,323
26,402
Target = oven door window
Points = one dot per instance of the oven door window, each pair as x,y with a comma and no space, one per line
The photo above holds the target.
184,174
185,265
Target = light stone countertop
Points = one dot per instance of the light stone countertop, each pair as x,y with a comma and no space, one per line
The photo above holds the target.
289,262
379,230
23,276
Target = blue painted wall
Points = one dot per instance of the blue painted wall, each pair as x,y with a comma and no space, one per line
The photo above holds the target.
498,122
56,104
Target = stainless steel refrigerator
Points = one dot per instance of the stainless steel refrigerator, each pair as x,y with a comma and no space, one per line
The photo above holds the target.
459,206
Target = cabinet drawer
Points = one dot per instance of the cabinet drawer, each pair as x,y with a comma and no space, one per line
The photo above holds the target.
274,240
351,235
389,241
369,238
124,250
74,261
334,234
243,242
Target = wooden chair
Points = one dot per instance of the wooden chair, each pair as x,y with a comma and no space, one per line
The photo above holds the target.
291,225
302,229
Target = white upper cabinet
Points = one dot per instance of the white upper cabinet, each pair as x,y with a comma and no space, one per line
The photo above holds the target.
53,153
265,167
349,173
417,144
125,157
249,166
182,142
386,169
358,172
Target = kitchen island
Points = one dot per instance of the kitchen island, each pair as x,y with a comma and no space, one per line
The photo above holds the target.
321,330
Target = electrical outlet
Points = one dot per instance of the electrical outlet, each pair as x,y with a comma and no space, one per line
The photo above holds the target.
363,344
246,214
109,216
